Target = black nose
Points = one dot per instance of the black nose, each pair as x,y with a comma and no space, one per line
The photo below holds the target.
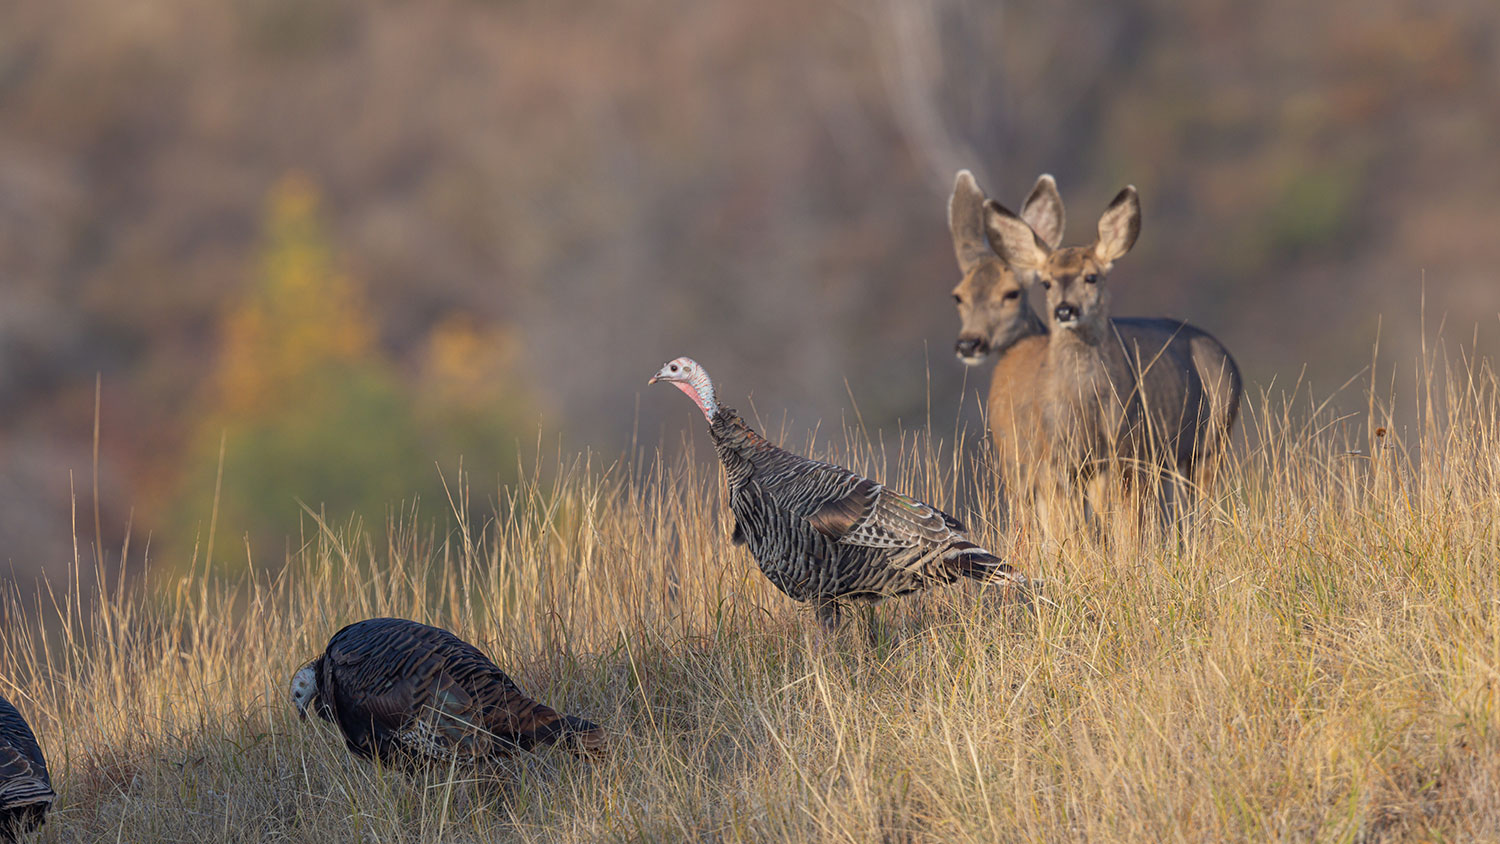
1065,313
968,347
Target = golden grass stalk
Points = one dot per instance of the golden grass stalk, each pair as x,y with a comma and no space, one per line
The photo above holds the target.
1318,659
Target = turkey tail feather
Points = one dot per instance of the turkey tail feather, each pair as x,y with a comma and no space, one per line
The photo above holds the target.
584,738
970,560
547,726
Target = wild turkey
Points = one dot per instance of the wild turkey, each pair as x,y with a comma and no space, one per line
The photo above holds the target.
25,788
413,694
821,533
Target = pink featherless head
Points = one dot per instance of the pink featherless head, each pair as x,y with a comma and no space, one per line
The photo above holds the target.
690,378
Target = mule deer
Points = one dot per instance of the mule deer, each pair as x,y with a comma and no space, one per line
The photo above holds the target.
998,321
1145,395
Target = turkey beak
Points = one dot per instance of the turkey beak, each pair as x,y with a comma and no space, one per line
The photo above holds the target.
653,380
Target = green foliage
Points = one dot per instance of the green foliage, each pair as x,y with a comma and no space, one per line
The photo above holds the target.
309,411
293,28
1314,207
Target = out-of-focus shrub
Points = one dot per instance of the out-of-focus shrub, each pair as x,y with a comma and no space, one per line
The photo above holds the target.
310,411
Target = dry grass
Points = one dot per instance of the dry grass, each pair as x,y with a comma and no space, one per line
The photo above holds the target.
1318,662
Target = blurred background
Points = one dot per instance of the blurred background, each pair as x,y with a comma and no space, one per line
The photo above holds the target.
343,243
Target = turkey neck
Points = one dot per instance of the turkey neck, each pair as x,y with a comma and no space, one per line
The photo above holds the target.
737,443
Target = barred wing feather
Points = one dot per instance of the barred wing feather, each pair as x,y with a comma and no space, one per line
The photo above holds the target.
874,516
25,788
20,782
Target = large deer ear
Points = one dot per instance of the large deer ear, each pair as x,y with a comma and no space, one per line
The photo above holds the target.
966,222
1043,211
1012,239
1118,227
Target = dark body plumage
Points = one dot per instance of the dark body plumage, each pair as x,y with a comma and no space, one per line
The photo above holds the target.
25,788
411,693
825,535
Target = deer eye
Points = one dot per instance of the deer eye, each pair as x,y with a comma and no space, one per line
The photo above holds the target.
1011,295
1046,285
1091,278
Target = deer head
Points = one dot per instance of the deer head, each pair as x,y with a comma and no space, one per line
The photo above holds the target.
1073,277
991,299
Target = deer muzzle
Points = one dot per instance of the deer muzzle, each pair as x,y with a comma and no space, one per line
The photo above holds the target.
971,350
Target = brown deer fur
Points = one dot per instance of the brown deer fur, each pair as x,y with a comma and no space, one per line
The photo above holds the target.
1152,397
998,321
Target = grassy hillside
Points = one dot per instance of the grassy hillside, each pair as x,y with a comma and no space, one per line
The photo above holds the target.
1318,662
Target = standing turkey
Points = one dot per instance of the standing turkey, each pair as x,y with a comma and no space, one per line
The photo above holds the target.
25,788
413,694
821,533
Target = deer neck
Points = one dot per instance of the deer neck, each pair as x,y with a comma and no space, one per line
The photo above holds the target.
1076,349
1079,393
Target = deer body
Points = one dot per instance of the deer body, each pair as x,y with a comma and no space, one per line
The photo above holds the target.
1015,410
1151,391
1153,396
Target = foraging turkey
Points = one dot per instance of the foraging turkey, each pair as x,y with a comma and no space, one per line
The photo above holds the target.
407,692
821,533
25,788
